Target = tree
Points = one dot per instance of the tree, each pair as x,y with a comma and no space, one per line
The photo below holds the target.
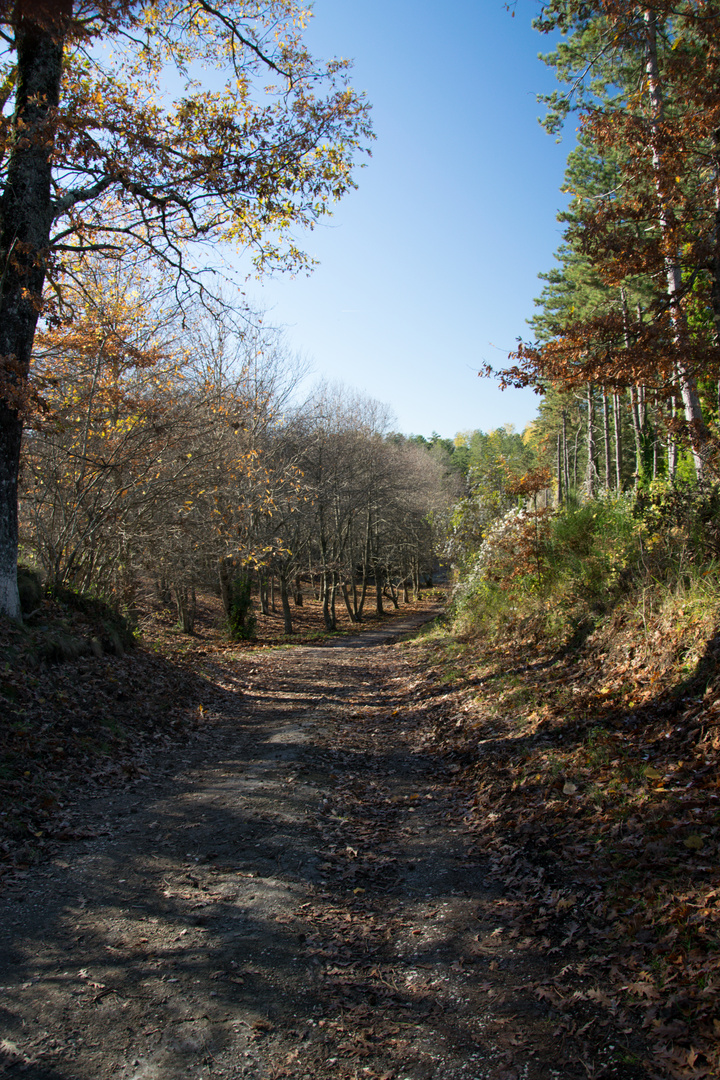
644,80
96,159
142,462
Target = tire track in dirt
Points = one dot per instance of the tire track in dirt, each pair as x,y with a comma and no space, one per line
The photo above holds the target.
296,901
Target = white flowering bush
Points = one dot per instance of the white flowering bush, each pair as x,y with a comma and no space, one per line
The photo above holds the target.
513,547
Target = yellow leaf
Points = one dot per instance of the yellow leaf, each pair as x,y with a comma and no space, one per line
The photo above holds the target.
694,842
653,774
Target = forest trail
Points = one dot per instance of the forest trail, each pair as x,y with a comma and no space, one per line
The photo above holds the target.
295,898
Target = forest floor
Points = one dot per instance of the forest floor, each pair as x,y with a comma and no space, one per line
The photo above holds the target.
352,860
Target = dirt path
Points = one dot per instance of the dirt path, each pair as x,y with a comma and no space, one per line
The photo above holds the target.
292,897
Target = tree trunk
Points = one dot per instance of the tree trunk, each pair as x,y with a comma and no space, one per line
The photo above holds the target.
617,419
606,437
263,591
186,607
285,603
591,473
715,264
328,603
298,592
363,593
26,213
637,432
673,270
655,438
559,477
672,445
378,592
566,455
333,598
348,602
224,580
393,590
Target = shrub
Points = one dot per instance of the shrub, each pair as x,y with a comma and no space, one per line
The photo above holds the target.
30,589
593,548
241,621
684,518
549,571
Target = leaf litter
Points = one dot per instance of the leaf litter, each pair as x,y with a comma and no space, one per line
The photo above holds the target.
343,863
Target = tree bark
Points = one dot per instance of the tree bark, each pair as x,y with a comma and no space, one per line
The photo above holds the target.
26,215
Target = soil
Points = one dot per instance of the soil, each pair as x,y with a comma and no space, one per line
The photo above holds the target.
292,893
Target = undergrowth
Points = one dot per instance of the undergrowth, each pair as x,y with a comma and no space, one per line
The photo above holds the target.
584,654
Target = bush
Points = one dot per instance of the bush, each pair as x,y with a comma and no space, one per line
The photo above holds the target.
683,518
594,548
30,589
115,630
549,571
241,621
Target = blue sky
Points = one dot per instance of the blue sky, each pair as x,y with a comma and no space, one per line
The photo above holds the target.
430,267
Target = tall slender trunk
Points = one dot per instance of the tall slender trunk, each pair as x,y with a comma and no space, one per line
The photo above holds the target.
263,591
416,575
715,265
328,603
606,438
363,593
285,603
655,438
617,425
378,590
591,473
224,582
559,478
566,454
26,214
348,603
637,432
673,270
672,454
